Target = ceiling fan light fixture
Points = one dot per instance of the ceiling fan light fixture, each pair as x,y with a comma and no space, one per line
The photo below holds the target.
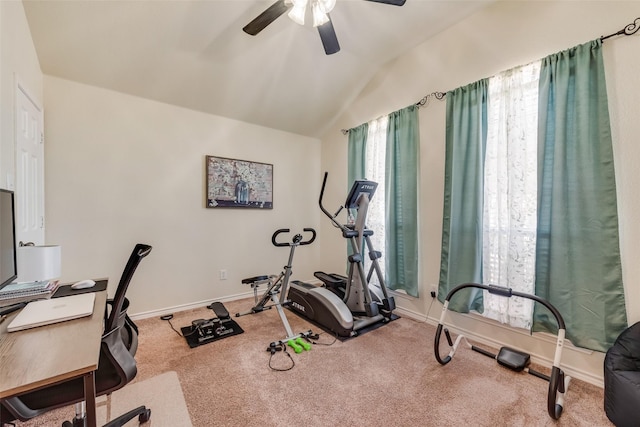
319,15
319,9
298,11
326,5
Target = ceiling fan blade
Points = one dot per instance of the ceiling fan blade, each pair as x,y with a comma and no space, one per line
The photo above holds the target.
391,2
272,13
328,37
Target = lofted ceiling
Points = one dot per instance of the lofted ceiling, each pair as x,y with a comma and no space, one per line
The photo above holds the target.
194,54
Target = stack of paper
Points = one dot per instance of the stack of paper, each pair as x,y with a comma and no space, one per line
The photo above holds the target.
21,292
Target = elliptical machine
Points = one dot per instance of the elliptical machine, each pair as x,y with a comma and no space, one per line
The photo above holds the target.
365,304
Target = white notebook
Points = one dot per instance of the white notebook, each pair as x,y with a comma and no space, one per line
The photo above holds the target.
46,312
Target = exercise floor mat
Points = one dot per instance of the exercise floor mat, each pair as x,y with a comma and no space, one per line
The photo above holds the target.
224,329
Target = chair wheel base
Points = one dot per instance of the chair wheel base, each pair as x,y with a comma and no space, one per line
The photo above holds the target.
145,416
76,422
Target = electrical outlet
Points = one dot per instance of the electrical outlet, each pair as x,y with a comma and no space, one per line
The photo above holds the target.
434,291
223,274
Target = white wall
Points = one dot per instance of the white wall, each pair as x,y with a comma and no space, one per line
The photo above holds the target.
122,170
497,38
18,63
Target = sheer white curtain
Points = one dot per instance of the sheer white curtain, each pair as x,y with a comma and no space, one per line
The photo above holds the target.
510,193
375,171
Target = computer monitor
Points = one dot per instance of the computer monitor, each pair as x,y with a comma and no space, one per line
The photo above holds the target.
8,258
360,187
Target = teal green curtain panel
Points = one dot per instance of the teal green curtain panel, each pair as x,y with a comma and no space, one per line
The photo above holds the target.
356,162
577,256
401,204
466,138
356,153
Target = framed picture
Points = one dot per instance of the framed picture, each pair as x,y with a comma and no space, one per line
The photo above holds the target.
233,183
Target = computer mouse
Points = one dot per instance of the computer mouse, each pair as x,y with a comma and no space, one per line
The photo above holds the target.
83,284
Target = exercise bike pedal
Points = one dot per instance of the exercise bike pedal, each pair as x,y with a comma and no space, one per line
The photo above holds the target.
312,337
274,347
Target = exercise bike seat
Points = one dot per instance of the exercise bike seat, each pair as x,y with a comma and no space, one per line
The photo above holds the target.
254,279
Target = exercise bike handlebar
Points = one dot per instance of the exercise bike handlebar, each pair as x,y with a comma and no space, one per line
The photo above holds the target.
297,239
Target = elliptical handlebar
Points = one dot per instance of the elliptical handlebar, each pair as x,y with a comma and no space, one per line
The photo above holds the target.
297,239
326,212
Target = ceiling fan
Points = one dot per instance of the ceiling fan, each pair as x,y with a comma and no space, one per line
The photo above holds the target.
320,10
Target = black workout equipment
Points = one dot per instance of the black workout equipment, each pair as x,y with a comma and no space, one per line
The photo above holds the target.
508,357
204,331
346,305
278,285
622,379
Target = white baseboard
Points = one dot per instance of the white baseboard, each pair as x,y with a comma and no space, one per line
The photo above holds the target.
190,306
198,304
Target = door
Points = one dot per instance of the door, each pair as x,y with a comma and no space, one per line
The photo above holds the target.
29,169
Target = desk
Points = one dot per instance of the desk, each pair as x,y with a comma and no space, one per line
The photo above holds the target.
42,356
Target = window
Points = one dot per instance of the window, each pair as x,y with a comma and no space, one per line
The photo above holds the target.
375,171
510,193
388,154
488,221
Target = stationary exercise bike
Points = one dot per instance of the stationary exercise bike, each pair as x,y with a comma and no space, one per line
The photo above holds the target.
356,304
279,285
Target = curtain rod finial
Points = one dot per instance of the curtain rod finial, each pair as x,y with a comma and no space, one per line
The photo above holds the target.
627,31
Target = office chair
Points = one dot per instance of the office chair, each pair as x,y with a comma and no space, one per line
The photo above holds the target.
116,365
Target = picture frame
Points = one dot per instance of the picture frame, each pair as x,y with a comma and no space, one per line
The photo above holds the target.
234,183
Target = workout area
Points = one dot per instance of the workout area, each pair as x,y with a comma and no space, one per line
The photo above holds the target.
319,213
342,306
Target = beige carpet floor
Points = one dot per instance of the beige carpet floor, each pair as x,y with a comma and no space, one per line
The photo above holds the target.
386,377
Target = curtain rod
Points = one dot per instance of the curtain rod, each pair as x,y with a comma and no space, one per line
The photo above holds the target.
627,31
437,95
425,99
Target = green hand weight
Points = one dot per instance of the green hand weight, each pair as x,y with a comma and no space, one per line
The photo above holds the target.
304,344
294,346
